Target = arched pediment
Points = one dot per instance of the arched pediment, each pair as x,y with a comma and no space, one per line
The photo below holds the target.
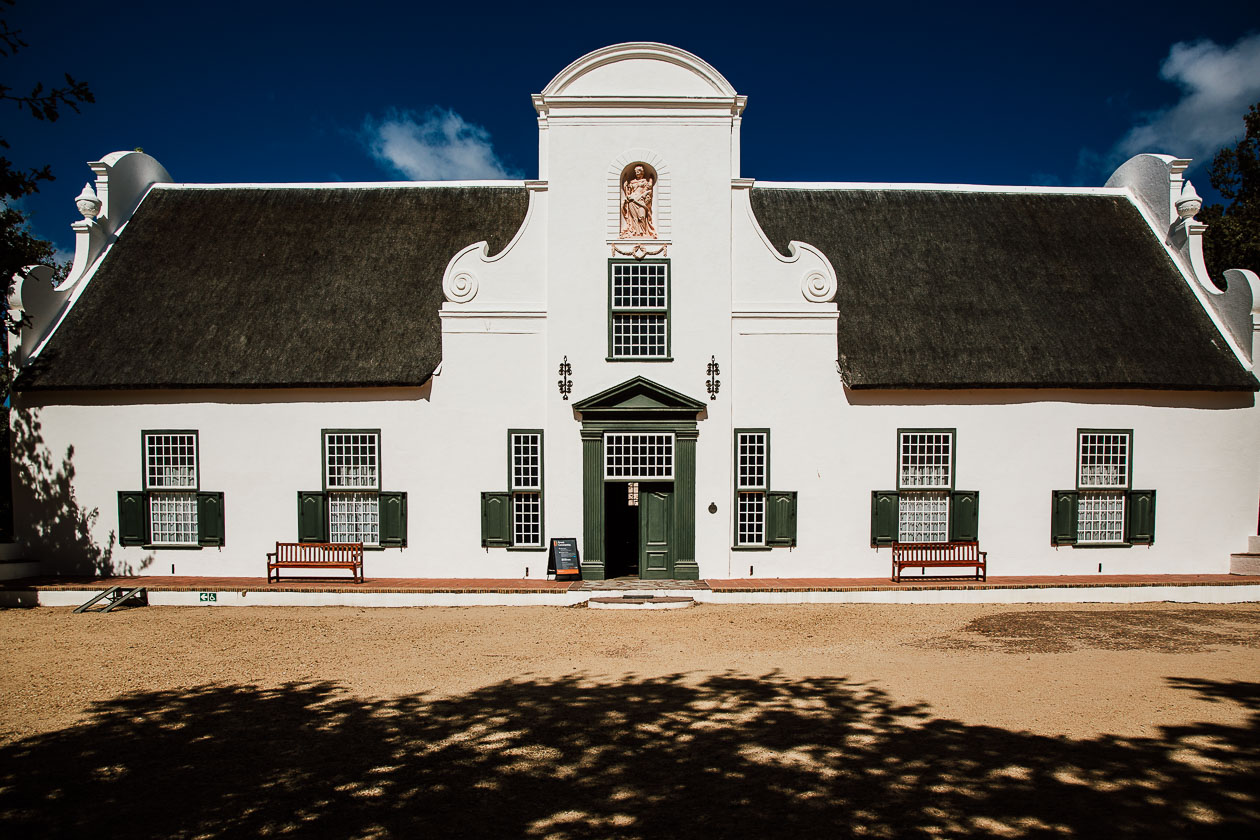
639,69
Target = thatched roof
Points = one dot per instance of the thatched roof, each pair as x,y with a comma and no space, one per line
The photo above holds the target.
958,289
274,287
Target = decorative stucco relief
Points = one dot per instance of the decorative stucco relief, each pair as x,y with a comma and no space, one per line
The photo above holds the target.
461,287
638,201
818,286
637,186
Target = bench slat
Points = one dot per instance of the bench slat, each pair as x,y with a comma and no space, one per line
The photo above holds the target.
316,556
939,554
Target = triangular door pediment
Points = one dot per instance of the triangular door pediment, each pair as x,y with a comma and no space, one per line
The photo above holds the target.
639,396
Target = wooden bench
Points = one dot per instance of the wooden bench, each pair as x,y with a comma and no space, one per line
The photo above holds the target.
933,555
316,556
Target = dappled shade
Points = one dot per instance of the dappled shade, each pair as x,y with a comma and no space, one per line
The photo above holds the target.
718,756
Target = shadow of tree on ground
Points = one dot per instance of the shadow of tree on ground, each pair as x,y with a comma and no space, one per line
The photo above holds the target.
726,756
53,527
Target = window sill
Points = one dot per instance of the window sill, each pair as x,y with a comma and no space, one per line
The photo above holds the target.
638,358
172,547
527,548
1102,545
751,548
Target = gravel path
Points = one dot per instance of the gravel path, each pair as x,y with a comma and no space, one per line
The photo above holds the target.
856,720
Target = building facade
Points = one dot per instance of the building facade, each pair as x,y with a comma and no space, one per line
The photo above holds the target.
693,373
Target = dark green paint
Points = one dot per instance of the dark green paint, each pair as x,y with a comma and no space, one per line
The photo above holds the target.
312,516
1063,516
496,519
964,516
781,517
133,517
883,517
656,531
393,508
1140,517
210,530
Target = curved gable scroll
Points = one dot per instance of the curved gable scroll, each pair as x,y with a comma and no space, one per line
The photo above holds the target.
640,69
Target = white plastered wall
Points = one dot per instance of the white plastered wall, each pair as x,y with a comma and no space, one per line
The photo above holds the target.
767,319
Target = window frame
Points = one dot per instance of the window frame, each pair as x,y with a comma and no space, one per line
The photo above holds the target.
673,456
1120,491
329,492
953,459
189,493
514,491
742,489
946,491
666,311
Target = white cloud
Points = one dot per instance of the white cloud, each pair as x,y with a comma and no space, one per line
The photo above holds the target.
438,145
1218,84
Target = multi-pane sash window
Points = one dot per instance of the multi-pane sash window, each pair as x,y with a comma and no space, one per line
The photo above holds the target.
526,470
751,456
1103,460
352,463
926,459
173,518
639,457
1102,478
170,475
354,517
170,460
638,309
925,474
352,460
923,516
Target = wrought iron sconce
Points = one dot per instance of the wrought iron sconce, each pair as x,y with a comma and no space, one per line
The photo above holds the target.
565,383
713,383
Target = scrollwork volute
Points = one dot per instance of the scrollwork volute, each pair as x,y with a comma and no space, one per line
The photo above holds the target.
818,287
461,287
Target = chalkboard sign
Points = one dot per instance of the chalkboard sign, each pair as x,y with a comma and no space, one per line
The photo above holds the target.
563,560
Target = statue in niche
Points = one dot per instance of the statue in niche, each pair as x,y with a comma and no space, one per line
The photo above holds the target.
636,205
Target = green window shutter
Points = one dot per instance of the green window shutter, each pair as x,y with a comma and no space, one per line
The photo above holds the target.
1063,504
1140,520
496,519
394,519
210,519
781,517
883,517
312,516
964,516
133,517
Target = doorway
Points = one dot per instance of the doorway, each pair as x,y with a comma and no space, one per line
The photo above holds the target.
639,530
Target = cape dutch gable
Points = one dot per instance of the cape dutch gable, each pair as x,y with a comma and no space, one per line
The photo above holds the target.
695,373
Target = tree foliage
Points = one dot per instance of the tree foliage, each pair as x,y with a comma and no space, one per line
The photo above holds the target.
1233,236
18,247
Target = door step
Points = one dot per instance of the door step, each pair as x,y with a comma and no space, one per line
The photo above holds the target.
641,601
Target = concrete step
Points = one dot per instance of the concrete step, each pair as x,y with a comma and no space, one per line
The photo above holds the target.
640,601
1244,564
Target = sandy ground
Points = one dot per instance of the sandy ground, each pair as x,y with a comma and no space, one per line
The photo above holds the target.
717,721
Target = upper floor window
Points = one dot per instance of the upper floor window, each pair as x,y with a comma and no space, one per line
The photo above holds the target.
638,309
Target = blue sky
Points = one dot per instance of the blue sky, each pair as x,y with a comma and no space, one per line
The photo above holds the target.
949,93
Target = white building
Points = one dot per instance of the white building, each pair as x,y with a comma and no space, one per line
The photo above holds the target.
693,373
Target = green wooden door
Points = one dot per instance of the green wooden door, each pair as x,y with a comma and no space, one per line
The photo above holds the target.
656,531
